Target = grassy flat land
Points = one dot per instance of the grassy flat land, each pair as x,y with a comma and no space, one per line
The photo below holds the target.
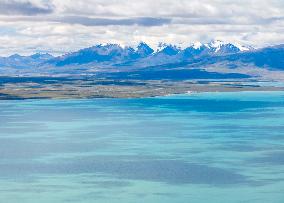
63,87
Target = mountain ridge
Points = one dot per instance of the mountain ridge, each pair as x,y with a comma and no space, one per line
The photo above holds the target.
165,52
116,58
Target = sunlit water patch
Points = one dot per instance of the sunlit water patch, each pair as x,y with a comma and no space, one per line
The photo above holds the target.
198,148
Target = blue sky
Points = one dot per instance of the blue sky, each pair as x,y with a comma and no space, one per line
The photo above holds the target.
59,26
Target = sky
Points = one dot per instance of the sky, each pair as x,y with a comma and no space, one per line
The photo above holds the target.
60,26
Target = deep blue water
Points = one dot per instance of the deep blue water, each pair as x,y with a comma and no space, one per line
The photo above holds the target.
199,148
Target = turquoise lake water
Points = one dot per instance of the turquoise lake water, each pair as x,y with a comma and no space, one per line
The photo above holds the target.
199,148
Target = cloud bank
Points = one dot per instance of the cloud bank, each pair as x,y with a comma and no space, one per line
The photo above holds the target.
16,7
59,26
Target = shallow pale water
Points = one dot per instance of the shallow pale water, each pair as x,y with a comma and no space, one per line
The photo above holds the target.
200,148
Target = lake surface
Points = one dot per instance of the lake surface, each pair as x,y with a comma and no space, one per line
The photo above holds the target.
199,148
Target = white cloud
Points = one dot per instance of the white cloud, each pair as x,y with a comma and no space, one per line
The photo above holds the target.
59,26
25,7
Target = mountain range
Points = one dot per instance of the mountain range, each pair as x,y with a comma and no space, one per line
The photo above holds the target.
114,54
167,59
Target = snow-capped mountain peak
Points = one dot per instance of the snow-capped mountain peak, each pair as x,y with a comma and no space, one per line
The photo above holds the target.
242,47
216,45
197,45
168,49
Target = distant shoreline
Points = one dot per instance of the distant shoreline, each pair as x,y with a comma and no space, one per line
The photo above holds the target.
19,88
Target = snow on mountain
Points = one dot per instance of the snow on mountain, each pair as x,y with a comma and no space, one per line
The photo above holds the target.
115,54
196,45
143,55
168,49
115,58
216,45
219,46
103,53
243,48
